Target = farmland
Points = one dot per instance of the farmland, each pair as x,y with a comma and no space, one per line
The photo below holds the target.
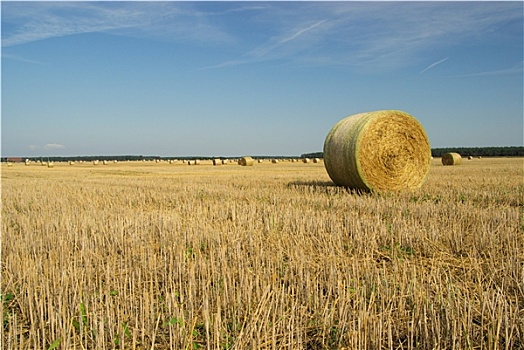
144,255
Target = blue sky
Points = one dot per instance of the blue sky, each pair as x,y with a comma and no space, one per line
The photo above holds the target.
257,78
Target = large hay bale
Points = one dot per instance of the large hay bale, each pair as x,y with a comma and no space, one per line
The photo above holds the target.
217,161
246,161
451,159
380,150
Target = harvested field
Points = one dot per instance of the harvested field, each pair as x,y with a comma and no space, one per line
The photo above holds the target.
273,256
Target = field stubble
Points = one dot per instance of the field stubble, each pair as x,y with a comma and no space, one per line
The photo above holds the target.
143,256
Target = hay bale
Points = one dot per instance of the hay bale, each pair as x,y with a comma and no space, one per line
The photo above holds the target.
380,150
217,162
316,160
470,157
306,160
274,161
50,165
246,161
451,159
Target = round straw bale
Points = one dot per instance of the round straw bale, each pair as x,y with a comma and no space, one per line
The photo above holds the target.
316,160
50,165
246,161
451,159
380,150
217,162
470,157
306,160
274,161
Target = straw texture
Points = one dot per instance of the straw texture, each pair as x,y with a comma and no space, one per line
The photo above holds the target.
246,161
380,150
451,159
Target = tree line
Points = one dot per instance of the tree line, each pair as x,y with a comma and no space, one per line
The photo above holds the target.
513,151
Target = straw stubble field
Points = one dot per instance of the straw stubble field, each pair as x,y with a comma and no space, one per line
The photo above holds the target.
274,256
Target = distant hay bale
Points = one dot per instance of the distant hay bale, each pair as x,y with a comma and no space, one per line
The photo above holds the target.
104,162
451,158
246,161
470,157
306,160
316,160
274,161
380,150
95,162
217,162
71,162
260,160
9,164
50,165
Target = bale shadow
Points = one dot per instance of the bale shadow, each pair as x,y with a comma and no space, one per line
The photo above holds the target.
328,187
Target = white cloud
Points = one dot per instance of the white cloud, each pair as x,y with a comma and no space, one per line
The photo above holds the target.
518,68
53,146
433,65
362,34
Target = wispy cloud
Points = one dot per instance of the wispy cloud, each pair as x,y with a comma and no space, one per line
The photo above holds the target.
24,23
21,59
281,40
516,69
266,50
369,35
53,146
433,65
